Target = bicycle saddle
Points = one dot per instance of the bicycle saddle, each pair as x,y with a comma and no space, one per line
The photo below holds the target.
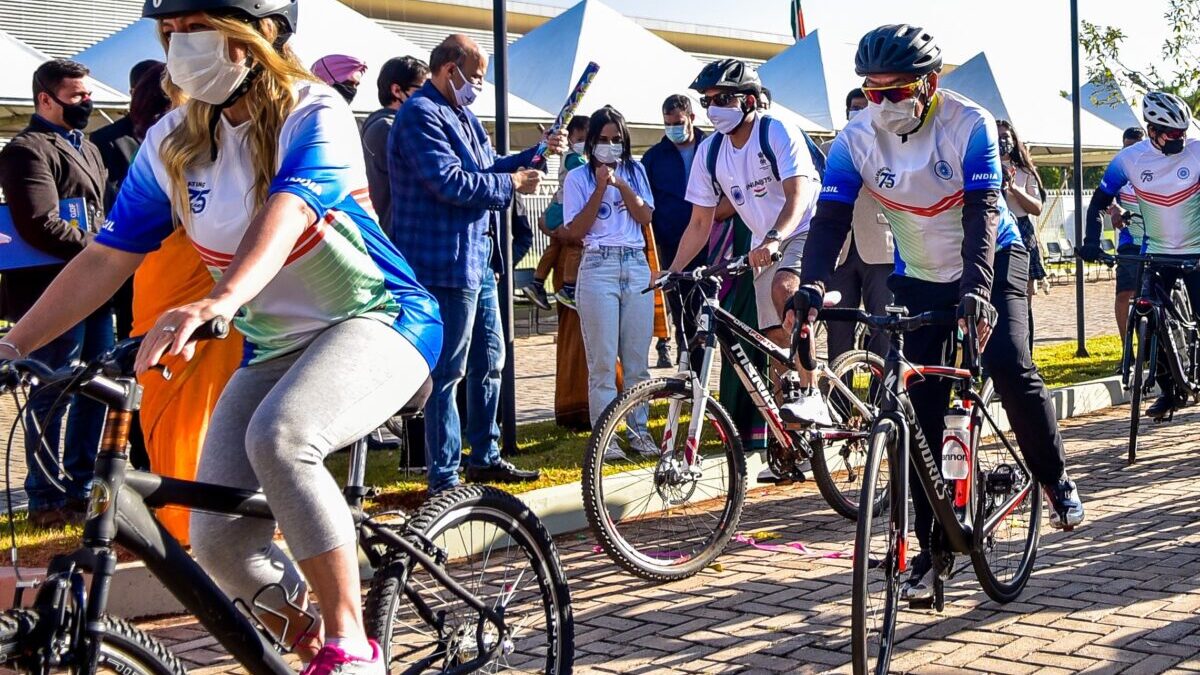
417,403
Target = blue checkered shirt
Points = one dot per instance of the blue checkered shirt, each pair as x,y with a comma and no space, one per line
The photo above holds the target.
447,185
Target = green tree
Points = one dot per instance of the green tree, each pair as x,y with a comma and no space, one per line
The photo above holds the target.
1177,71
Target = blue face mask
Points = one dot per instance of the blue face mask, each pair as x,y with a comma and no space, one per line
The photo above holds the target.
677,133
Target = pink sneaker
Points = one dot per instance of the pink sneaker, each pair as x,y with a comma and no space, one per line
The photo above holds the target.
333,661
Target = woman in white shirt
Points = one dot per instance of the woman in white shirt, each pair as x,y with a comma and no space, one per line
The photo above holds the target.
606,204
1022,189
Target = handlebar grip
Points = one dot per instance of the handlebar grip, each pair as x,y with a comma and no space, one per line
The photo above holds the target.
802,345
971,346
216,328
777,256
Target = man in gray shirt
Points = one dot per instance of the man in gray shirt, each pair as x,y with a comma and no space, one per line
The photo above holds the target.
398,79
865,263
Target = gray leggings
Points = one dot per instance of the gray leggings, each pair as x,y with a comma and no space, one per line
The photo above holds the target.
272,428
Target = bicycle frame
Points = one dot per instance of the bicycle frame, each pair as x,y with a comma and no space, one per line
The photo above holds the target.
1154,304
119,512
954,502
716,326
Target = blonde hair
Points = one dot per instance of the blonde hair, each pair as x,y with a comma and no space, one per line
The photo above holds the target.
271,98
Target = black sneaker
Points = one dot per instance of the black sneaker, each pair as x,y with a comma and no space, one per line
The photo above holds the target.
1162,407
536,292
374,442
920,580
664,355
1066,508
502,471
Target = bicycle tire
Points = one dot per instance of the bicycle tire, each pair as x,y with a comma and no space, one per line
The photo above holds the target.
483,507
125,649
842,495
1135,403
865,562
988,567
681,559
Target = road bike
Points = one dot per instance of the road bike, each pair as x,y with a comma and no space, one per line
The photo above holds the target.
469,582
1162,327
992,514
670,512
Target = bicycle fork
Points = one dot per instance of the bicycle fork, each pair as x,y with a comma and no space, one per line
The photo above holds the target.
699,382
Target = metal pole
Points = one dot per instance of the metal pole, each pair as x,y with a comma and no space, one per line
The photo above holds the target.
1077,180
508,378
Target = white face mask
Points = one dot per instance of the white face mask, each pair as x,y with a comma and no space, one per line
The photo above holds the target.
465,95
577,148
199,64
725,120
853,113
608,153
898,118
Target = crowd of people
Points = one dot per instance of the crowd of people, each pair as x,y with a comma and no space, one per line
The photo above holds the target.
358,260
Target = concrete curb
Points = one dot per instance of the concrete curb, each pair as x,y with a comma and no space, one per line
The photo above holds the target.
136,593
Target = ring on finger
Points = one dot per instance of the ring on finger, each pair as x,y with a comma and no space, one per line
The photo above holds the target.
170,329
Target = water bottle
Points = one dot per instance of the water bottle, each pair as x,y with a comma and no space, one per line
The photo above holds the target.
956,441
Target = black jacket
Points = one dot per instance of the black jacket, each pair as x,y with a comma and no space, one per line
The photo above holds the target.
375,148
672,211
38,169
117,145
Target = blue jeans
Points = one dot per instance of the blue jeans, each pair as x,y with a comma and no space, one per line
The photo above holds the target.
473,347
617,320
89,339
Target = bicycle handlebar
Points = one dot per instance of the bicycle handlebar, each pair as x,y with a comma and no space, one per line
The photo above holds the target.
891,323
114,363
1148,259
731,267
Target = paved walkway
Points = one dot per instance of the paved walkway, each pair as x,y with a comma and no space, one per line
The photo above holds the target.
1119,595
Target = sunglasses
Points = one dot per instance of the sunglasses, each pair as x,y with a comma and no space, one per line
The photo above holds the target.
894,93
722,100
1172,134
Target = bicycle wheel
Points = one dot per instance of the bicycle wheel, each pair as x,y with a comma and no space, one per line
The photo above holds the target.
837,465
875,602
497,549
125,650
1139,374
1004,559
658,517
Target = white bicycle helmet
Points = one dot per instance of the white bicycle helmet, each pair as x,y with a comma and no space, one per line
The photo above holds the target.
1166,110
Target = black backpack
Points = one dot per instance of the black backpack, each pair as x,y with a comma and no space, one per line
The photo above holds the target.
764,134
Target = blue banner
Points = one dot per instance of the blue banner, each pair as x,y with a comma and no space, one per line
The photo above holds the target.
16,253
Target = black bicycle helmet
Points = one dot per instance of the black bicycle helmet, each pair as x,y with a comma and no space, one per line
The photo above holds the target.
728,74
897,48
284,11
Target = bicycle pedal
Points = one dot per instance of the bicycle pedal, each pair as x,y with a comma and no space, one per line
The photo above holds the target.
923,603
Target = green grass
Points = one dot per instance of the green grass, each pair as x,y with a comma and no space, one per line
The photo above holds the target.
1059,366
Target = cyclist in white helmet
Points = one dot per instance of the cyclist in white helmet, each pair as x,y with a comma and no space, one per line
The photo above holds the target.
1164,173
930,157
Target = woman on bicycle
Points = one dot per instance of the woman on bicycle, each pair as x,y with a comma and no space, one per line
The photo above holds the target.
930,157
260,165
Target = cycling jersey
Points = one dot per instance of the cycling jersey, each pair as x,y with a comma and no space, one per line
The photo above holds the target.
1168,191
921,182
1134,232
746,176
341,267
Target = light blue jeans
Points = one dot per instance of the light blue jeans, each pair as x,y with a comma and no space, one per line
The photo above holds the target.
617,321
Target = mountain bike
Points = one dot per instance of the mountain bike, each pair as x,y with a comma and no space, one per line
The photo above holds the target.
992,515
470,581
1162,325
670,512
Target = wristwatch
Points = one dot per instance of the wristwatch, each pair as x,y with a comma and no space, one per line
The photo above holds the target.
772,235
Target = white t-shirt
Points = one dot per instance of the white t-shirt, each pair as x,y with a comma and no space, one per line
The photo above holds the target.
745,175
614,225
1168,192
1027,182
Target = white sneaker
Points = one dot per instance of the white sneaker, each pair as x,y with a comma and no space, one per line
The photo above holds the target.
809,408
645,446
614,453
919,585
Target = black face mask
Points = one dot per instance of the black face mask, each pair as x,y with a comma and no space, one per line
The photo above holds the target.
1172,147
1006,147
347,90
76,115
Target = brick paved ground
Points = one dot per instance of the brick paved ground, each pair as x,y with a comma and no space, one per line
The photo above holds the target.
1119,595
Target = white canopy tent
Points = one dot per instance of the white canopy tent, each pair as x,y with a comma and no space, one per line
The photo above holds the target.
325,27
1042,117
812,77
638,69
16,80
